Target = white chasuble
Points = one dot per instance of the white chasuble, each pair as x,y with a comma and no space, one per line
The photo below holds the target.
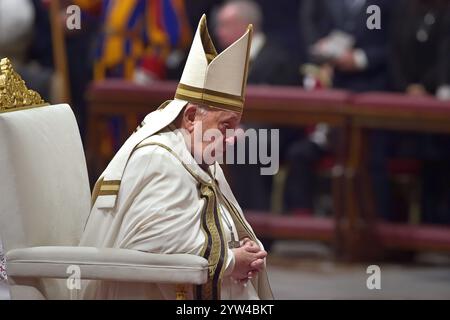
167,204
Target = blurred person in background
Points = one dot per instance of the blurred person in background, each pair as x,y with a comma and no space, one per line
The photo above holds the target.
16,25
26,38
359,60
270,64
346,54
78,44
420,66
139,40
420,48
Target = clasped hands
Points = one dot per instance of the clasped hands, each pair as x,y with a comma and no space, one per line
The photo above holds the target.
249,260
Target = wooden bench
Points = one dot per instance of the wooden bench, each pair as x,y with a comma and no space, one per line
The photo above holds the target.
387,235
268,225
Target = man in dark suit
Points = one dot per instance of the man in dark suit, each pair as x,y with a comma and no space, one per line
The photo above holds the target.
420,46
363,67
420,66
358,63
269,62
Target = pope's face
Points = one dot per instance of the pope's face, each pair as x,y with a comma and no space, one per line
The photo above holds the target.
213,131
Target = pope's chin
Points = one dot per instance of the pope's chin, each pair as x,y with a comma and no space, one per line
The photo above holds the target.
209,156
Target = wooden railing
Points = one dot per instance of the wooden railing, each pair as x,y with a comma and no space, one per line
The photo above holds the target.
354,229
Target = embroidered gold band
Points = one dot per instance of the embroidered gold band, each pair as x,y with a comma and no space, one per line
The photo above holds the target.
108,188
211,98
105,188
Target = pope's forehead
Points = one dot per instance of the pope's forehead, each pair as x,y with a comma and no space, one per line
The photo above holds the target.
229,115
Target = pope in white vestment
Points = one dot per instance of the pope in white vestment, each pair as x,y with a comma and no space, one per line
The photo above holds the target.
154,197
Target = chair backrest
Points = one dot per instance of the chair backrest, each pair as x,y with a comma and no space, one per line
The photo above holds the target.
44,187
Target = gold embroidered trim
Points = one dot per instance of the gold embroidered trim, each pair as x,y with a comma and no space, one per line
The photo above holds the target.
210,97
210,92
212,104
105,188
180,292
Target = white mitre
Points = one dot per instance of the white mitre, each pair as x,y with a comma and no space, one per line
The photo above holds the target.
215,80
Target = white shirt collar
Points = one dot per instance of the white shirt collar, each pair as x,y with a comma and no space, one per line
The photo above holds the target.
258,41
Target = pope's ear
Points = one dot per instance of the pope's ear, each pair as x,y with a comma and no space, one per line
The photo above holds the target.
189,116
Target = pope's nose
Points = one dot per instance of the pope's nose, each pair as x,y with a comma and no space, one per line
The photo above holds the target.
231,140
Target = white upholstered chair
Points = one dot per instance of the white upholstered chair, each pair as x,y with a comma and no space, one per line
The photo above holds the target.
45,201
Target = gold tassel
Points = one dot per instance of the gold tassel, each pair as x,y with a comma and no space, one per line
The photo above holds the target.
180,292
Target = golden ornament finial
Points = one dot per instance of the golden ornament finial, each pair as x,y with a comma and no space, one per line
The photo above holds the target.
13,91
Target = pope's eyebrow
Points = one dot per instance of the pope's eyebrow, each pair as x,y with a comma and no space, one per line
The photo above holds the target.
231,117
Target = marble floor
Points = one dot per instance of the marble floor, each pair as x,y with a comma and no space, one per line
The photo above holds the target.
299,270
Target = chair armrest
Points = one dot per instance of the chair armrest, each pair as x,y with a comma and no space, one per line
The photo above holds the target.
107,264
